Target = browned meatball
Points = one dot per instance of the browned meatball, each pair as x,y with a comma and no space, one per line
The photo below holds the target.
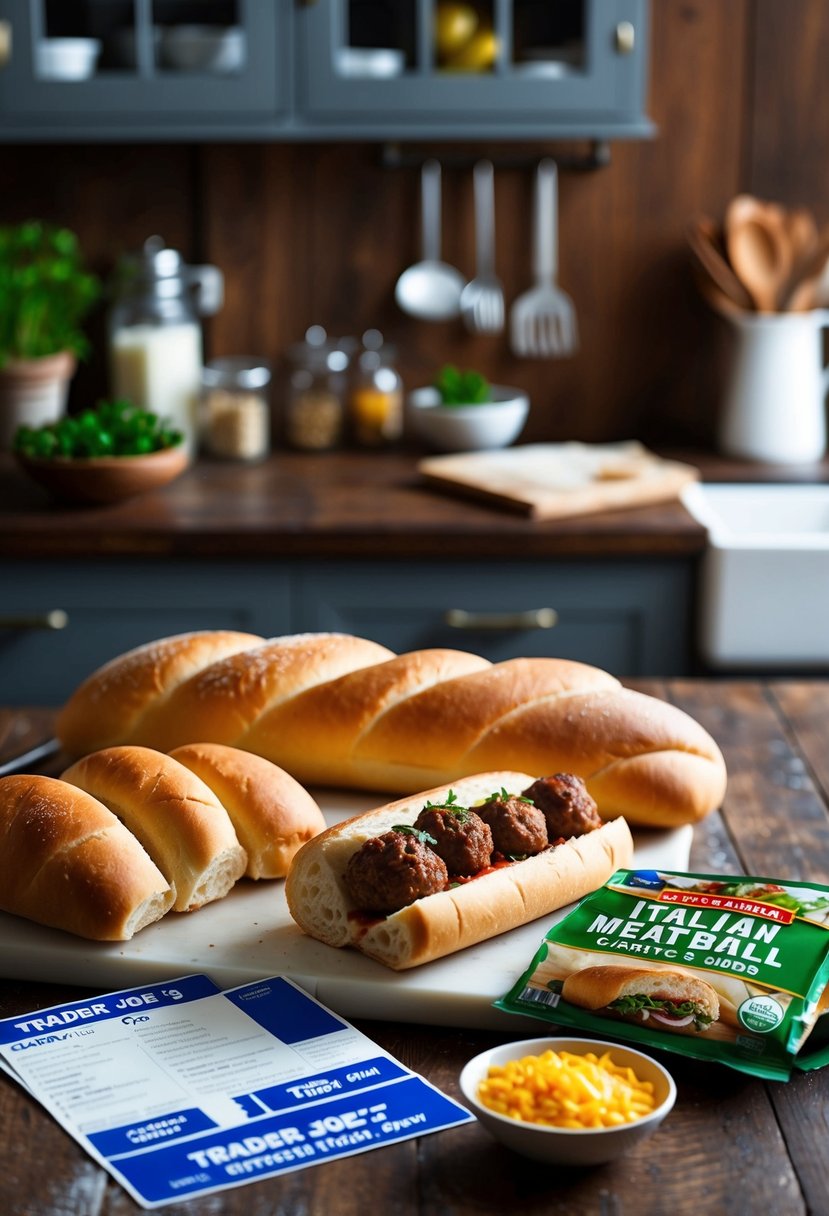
461,838
567,806
389,872
516,826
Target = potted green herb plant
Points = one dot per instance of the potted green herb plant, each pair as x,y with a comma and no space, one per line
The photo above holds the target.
45,294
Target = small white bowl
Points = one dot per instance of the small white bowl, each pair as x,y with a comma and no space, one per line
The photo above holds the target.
67,58
564,1145
469,428
372,63
203,48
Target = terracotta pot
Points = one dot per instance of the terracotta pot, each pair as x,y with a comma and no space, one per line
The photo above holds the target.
33,392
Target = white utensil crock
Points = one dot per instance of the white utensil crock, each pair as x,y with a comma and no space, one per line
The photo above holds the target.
774,407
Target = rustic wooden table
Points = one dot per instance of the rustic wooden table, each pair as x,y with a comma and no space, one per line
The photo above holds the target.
732,1144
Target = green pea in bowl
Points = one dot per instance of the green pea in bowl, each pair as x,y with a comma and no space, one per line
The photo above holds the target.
102,456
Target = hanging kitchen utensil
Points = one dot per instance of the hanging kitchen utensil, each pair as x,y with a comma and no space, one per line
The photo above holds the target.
482,300
543,319
431,289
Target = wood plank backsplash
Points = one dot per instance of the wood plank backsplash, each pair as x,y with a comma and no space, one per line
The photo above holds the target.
318,233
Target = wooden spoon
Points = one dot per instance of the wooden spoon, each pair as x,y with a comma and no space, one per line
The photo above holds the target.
702,236
759,249
805,288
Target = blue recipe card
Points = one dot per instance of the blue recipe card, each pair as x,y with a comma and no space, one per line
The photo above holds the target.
180,1089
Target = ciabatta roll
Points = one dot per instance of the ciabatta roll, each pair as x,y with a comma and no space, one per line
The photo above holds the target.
178,819
500,898
68,862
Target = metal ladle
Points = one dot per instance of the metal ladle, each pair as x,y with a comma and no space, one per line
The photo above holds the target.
431,289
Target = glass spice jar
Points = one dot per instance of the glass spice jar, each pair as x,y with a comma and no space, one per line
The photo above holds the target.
315,410
376,397
234,411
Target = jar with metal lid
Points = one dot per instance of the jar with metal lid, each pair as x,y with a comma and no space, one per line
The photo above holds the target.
234,412
376,398
315,410
155,338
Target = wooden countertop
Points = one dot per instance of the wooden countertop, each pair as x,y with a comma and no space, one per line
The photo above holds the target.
333,505
732,1143
343,504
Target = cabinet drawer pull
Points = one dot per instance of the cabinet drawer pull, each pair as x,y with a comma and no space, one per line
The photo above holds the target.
533,618
5,42
56,619
625,38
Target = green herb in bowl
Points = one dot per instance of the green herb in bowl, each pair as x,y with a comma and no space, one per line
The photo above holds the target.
113,428
462,387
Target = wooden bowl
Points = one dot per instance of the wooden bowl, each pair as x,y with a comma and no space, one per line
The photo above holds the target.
105,479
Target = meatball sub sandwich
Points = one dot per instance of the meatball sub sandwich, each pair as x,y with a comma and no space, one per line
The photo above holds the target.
426,876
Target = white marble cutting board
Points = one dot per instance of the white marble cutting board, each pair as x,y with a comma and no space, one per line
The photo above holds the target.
250,934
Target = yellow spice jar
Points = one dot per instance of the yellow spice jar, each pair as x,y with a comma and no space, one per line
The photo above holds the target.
375,403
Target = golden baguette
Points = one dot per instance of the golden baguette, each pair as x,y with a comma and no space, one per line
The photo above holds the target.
336,710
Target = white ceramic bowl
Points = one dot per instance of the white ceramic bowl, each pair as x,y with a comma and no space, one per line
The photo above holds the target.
375,63
203,48
564,1145
67,58
468,428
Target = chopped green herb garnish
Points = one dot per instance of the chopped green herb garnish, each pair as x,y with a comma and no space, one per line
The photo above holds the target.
407,830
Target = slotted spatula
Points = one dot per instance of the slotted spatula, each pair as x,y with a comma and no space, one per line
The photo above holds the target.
543,320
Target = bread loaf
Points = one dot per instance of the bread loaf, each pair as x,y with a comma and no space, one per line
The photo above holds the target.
68,862
337,710
272,814
178,819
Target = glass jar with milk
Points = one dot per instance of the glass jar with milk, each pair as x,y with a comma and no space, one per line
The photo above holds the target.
155,337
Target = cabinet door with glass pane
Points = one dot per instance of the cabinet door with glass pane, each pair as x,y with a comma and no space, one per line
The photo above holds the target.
154,67
488,67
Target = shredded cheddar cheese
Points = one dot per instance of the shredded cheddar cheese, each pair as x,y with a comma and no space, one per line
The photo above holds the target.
560,1089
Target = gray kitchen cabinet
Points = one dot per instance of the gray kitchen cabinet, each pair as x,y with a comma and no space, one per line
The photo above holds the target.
571,68
630,617
328,69
143,85
111,606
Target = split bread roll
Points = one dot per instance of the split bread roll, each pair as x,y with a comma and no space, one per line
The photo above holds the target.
273,815
68,862
596,988
337,710
176,817
435,925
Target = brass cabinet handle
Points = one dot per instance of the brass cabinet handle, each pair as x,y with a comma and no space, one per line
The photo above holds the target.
534,618
56,619
5,42
625,38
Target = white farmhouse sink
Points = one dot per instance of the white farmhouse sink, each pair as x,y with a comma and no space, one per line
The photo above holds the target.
764,598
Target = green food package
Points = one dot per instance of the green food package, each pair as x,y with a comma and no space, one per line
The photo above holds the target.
726,969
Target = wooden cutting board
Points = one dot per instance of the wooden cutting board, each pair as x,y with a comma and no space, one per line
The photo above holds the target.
556,480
